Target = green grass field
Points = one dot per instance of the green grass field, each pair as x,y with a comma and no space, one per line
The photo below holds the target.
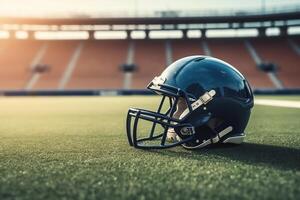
76,148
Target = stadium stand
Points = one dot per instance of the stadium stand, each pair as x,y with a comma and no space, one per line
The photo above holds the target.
15,61
278,51
98,65
58,54
94,63
150,58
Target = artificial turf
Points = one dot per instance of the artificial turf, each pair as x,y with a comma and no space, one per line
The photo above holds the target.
76,148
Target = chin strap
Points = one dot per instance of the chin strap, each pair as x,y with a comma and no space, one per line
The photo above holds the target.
203,100
173,137
210,141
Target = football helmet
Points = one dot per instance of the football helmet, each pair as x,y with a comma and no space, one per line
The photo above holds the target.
204,101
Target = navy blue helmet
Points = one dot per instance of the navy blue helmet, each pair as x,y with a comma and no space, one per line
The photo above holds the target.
204,101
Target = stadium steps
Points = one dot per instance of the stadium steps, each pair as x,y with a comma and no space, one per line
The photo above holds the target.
294,46
272,76
71,66
206,49
150,58
169,58
127,82
36,60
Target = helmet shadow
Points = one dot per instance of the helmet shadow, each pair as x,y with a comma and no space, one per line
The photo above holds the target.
283,158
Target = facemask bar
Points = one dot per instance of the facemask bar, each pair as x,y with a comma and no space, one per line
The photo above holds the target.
159,110
168,90
165,120
138,115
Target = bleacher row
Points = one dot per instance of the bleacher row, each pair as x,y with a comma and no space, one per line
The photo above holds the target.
96,64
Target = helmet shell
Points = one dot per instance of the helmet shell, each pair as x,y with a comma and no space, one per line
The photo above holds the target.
231,106
198,74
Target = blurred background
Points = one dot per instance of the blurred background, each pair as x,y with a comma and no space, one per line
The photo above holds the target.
69,46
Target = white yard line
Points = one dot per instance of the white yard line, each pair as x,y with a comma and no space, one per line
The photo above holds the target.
278,103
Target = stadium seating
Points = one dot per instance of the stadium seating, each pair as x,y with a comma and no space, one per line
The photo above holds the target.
98,65
57,56
278,51
150,58
182,48
15,60
95,64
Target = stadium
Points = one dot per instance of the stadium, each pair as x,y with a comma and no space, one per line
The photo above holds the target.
67,80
